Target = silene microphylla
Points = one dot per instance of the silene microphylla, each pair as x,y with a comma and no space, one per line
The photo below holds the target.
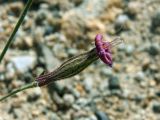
74,65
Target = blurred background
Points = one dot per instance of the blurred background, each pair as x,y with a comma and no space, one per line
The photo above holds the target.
55,30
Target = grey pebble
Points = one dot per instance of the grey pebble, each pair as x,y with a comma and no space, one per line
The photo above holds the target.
129,49
156,108
76,93
134,7
44,51
58,100
106,72
155,24
140,76
154,49
101,115
41,16
48,30
157,77
114,83
34,96
10,71
88,83
121,23
68,99
72,51
121,19
54,116
82,102
23,63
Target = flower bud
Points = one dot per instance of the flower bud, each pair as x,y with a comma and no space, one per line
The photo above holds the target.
69,68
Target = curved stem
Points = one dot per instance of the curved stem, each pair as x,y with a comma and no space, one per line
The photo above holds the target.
30,85
16,29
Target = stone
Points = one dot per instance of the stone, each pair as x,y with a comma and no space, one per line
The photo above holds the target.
35,113
129,49
23,63
72,51
157,77
114,83
146,63
122,23
41,16
57,99
101,115
54,116
154,68
60,47
156,108
157,93
134,7
34,96
10,71
68,99
50,60
82,102
140,76
154,49
76,93
28,41
88,83
48,30
117,67
16,8
106,72
155,24
92,117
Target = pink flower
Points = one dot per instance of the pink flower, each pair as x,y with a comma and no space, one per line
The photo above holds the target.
104,48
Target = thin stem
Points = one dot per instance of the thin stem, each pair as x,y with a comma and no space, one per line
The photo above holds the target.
30,85
23,14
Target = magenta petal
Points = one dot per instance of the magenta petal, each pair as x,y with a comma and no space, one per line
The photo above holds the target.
106,57
103,50
98,37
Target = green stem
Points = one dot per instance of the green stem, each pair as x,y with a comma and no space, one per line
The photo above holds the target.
23,14
30,85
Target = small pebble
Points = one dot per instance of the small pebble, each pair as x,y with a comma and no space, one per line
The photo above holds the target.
88,83
10,70
156,108
129,49
114,83
155,25
121,23
154,49
33,97
82,102
54,116
16,8
134,8
157,77
72,51
68,99
41,16
140,76
106,72
101,115
48,30
157,93
23,63
58,100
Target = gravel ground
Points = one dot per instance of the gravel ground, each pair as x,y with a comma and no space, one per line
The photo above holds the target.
55,30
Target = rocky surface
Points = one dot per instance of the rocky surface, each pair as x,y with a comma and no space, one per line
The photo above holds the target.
55,30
